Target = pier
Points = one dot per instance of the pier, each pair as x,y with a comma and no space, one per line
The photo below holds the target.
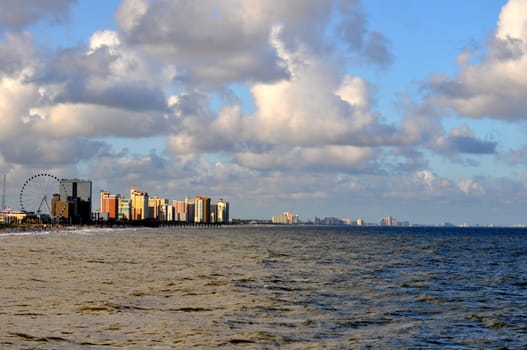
176,224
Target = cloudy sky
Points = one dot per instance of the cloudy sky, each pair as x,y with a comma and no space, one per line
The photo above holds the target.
416,109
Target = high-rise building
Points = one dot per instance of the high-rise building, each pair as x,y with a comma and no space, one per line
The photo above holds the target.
287,217
213,213
154,204
191,208
166,212
59,208
78,193
139,204
202,209
125,209
75,188
109,204
222,208
389,221
180,210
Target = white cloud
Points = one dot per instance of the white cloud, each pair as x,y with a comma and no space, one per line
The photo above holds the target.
104,38
315,106
512,21
495,87
469,187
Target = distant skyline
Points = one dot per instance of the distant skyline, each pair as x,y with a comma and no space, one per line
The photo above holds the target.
416,109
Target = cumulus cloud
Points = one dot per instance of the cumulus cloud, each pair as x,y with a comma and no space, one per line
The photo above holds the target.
229,40
316,112
16,14
495,87
105,73
317,106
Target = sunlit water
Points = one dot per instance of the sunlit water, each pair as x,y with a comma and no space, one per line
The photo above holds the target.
264,288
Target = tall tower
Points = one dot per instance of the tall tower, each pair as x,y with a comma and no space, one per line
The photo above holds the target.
3,193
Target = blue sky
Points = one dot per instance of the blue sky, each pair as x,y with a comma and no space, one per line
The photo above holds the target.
324,108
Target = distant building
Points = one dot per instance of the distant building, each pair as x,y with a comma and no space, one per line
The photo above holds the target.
287,218
78,194
191,209
180,210
184,210
202,209
125,209
8,216
213,213
328,221
109,204
222,208
347,221
166,212
388,221
154,205
59,208
138,205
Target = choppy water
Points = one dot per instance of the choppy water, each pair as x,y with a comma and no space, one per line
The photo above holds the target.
265,288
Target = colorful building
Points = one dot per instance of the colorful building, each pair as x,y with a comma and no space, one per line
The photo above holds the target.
202,209
125,209
109,204
139,204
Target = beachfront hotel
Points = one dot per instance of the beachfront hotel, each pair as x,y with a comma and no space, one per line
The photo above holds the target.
140,206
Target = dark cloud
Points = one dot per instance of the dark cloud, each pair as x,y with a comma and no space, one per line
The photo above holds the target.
352,24
17,14
38,152
470,145
16,53
123,95
377,49
442,85
460,143
408,159
73,63
352,27
507,49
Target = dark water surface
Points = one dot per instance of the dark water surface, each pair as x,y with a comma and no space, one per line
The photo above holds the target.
265,288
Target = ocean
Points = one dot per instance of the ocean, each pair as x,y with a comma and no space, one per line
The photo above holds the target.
264,287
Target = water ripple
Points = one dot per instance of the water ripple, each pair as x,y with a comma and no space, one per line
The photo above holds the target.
265,288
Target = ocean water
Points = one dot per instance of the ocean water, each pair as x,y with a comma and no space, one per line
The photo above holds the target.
265,288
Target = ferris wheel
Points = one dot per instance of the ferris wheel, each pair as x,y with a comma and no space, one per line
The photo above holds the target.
37,193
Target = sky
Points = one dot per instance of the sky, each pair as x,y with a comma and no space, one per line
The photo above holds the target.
337,108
